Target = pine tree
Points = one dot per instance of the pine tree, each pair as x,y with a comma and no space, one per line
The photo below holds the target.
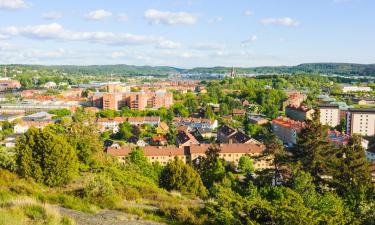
313,148
352,177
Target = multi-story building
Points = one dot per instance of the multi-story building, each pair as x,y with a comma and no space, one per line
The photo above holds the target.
347,89
294,98
360,121
133,100
114,123
9,84
330,114
229,152
287,129
301,113
23,126
195,123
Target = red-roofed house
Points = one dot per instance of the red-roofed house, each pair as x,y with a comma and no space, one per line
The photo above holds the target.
287,129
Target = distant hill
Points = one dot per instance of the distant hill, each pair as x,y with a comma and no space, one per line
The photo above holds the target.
120,69
324,68
131,70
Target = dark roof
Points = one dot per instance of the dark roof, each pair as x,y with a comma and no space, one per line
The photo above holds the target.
241,137
328,106
226,130
370,110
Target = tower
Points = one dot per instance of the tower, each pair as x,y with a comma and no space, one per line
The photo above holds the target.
232,72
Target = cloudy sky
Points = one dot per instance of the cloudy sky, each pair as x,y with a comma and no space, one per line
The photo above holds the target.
187,33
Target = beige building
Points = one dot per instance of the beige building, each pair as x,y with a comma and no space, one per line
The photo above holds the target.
300,113
229,152
287,129
361,121
329,115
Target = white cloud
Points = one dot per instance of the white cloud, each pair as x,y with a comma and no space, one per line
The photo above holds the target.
252,39
55,31
169,44
13,4
53,15
248,13
170,18
123,17
208,46
40,54
286,21
216,20
98,14
116,55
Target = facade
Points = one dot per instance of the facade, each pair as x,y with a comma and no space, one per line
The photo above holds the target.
330,115
195,123
9,84
23,126
361,121
133,100
287,129
347,89
231,153
114,123
301,113
294,98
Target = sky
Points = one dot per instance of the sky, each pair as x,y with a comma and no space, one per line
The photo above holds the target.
187,33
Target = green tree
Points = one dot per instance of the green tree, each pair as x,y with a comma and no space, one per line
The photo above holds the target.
125,131
352,177
46,157
313,148
245,164
179,176
138,158
211,167
7,159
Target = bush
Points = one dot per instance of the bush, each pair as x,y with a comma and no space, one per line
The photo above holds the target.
46,157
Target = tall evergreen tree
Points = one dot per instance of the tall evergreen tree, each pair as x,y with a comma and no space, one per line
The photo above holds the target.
313,148
352,177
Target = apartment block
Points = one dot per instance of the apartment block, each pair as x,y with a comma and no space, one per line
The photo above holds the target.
287,129
294,98
330,114
133,100
301,113
229,152
361,121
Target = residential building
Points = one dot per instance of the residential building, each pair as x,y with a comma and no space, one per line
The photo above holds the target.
347,89
360,121
133,100
114,123
184,138
23,126
238,112
227,134
257,119
229,152
294,98
195,123
370,154
6,84
329,114
287,129
300,113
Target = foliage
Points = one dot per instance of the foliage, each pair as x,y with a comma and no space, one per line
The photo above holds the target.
245,164
7,159
179,176
46,157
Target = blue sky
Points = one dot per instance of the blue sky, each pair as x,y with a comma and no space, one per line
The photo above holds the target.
187,33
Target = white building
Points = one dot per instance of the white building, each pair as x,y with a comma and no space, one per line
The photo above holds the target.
329,115
361,121
347,89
